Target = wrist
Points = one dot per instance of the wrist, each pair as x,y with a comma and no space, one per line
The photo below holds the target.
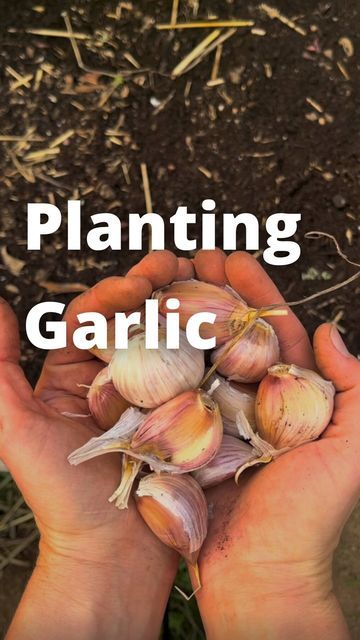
278,604
100,593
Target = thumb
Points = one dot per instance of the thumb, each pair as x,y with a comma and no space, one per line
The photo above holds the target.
333,359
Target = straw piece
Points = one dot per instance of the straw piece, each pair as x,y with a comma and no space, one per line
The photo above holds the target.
147,192
224,36
275,14
57,33
195,53
206,25
174,12
60,139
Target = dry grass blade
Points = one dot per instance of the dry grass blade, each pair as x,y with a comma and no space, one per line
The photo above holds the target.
14,523
8,516
63,287
26,173
4,562
147,193
221,39
13,265
61,139
275,14
210,24
195,53
57,33
174,12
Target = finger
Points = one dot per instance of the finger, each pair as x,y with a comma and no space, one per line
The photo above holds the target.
341,441
250,280
160,267
15,391
334,360
210,266
185,270
9,334
109,296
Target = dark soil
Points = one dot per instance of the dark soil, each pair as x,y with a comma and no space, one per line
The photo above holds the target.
280,134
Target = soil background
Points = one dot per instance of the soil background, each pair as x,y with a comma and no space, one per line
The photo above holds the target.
281,133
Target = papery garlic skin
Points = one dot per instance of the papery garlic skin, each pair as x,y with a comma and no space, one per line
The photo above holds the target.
293,406
175,509
195,296
251,356
186,432
149,377
232,455
231,398
110,441
105,403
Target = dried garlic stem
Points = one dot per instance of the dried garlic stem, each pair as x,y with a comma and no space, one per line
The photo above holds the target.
195,569
122,494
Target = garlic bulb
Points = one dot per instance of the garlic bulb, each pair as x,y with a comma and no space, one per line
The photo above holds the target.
195,296
105,403
293,406
231,398
175,509
251,356
232,455
149,377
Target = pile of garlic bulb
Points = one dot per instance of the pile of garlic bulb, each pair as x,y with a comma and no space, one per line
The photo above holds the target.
178,438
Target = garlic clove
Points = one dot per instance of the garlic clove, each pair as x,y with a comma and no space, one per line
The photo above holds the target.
231,398
185,432
149,377
175,509
105,403
182,435
232,455
293,406
195,296
250,357
116,439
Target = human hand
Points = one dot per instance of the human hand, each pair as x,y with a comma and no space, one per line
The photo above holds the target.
266,562
87,546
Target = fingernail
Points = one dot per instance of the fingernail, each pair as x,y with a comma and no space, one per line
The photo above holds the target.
338,342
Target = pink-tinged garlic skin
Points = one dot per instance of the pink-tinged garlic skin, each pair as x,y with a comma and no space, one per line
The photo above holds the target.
149,377
196,296
231,398
186,432
251,356
175,509
293,406
232,455
105,403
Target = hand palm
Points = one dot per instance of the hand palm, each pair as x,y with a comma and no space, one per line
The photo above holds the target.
36,438
287,515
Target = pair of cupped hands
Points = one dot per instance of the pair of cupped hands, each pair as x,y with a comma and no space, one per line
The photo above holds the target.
266,563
